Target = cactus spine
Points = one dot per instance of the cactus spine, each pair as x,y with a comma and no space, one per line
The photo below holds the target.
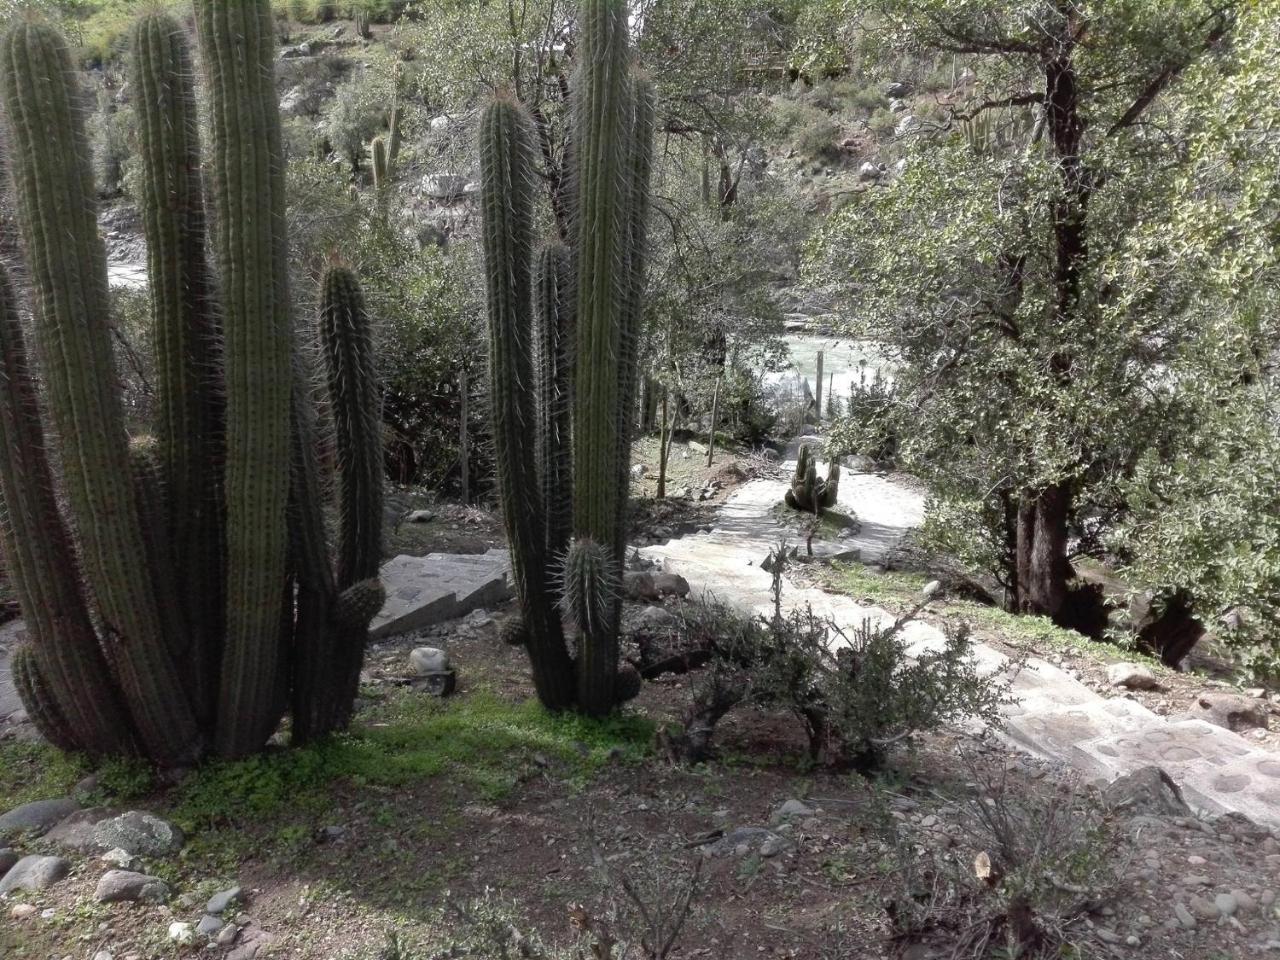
592,327
107,630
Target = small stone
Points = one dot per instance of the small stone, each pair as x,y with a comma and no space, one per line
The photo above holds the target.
181,932
37,817
85,788
1202,909
1197,861
121,859
1107,936
420,516
22,911
1267,898
1132,676
774,845
124,886
208,926
104,955
220,901
1226,904
227,935
1244,902
1195,880
34,873
429,661
1132,941
640,586
792,809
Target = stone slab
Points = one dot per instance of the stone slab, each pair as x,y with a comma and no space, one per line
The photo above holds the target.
1193,752
11,634
423,591
1038,685
1248,785
1053,734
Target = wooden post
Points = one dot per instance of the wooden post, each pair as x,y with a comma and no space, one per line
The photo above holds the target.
463,438
662,444
817,395
715,417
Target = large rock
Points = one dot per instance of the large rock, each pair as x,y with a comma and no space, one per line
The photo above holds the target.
7,859
1147,792
34,873
37,817
1132,676
1230,711
671,583
124,886
423,591
136,832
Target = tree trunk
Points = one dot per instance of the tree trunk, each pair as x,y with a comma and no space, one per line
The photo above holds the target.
1043,569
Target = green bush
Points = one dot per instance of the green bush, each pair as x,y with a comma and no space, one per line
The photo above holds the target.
867,423
818,139
855,690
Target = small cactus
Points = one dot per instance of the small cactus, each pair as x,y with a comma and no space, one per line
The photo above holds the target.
808,492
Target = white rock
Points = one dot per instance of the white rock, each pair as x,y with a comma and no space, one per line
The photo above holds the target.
429,661
181,932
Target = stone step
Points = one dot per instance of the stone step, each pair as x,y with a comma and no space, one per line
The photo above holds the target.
1038,686
1053,733
1248,785
423,591
1193,752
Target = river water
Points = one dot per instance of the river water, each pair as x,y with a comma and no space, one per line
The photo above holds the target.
844,362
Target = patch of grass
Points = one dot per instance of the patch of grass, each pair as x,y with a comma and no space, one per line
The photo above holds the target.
481,741
36,771
897,591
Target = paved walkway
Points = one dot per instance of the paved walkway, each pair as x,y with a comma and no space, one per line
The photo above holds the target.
1054,717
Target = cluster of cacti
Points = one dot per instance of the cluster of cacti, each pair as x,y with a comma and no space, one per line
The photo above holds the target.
187,598
808,492
564,337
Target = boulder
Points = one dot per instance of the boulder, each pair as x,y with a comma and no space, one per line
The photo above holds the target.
1230,711
639,586
670,584
1148,791
869,171
37,817
653,621
96,831
7,859
428,661
34,873
898,89
125,886
1132,676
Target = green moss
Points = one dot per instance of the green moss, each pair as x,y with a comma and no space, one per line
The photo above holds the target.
36,771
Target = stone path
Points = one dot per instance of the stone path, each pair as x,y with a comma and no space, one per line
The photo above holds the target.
1054,716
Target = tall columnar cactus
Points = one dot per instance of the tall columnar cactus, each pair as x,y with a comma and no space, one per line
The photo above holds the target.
185,551
53,184
380,161
236,43
189,418
591,324
506,162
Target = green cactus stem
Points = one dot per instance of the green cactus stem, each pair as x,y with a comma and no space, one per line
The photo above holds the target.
39,558
381,163
237,46
602,108
553,315
37,697
54,190
186,337
507,178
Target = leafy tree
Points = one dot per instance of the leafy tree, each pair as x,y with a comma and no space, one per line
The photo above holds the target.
1048,268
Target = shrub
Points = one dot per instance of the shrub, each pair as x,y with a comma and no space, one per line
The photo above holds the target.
818,139
856,691
867,424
